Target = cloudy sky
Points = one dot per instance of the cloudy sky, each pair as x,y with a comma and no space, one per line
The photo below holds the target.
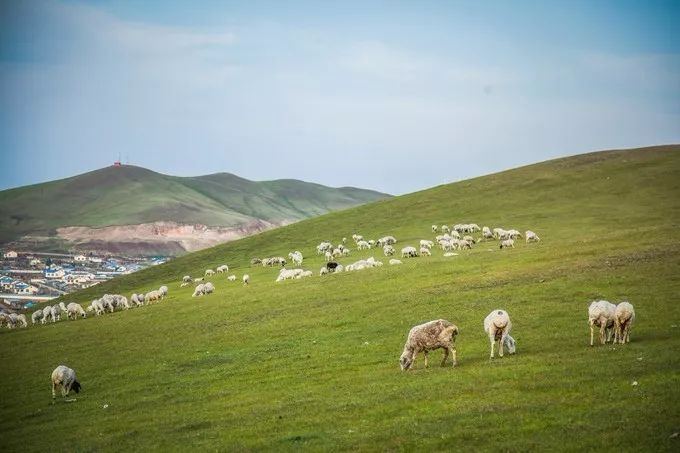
394,96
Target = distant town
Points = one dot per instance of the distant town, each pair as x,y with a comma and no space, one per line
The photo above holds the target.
30,277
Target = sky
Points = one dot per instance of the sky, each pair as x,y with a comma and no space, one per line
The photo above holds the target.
393,96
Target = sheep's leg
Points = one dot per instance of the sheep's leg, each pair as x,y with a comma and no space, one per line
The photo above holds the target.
592,333
425,358
500,346
446,356
602,333
54,390
493,343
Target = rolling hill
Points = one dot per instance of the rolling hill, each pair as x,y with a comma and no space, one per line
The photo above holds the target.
313,363
162,213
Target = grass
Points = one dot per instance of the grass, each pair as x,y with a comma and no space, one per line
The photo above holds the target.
313,364
133,195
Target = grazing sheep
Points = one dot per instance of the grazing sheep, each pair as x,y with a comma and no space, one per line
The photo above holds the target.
426,243
435,228
328,256
198,279
36,316
98,307
409,252
388,250
56,313
186,279
199,290
232,278
74,310
246,279
208,288
508,243
288,274
357,237
445,229
47,314
255,261
428,337
13,319
601,314
497,326
332,266
138,299
387,240
424,251
531,236
209,273
486,233
66,378
363,245
222,269
624,317
297,258
323,271
371,244
163,290
325,246
152,296
394,261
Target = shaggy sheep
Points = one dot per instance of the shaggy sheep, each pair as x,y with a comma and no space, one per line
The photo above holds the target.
409,252
426,243
325,246
186,279
64,377
387,240
428,337
56,313
363,245
97,307
486,233
288,274
209,273
222,269
323,271
508,243
297,258
446,229
497,326
388,250
232,278
152,296
394,261
73,310
208,288
328,256
246,279
531,236
138,299
36,316
47,314
357,237
199,290
601,314
163,290
198,279
624,317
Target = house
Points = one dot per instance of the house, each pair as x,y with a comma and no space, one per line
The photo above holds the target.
24,288
35,262
54,272
6,283
10,254
94,259
80,258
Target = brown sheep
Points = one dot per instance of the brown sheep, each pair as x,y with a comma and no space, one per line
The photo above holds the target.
428,337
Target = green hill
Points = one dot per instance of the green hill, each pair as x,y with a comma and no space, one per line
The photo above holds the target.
130,195
313,363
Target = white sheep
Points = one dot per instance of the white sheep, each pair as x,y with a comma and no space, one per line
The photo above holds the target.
323,271
56,313
288,274
152,296
409,252
232,278
47,314
208,288
222,269
388,250
531,236
64,377
394,261
36,316
428,337
198,279
497,326
426,243
138,299
209,273
199,290
486,233
624,317
97,307
163,290
424,251
74,310
601,314
507,243
363,245
445,229
246,279
186,279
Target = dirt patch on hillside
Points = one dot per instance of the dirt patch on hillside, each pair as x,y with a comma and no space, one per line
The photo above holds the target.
170,237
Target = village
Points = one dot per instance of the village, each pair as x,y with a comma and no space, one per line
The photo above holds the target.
30,277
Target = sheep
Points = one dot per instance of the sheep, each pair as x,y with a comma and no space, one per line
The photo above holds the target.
464,244
445,229
138,299
357,237
513,234
246,279
486,233
36,316
394,261
363,245
73,310
531,236
624,317
98,307
336,253
387,240
323,271
306,274
296,257
345,251
232,278
222,269
186,279
153,296
56,313
601,314
255,261
371,243
428,337
163,290
424,251
455,234
426,243
435,228
344,240
199,290
470,239
497,326
208,288
287,274
498,233
332,266
507,243
409,252
273,261
47,314
328,256
388,250
66,378
198,279
474,227
13,319
209,273
122,301
323,247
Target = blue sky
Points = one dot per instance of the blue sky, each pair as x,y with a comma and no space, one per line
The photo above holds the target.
394,96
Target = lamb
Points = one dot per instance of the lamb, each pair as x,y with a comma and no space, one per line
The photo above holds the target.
246,279
497,326
424,251
388,250
222,269
74,310
624,317
428,337
394,261
409,252
371,243
328,256
209,273
323,271
507,243
531,236
66,378
601,314
36,316
486,233
232,278
186,279
199,290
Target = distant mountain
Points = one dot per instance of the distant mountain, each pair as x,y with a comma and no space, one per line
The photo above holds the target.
132,209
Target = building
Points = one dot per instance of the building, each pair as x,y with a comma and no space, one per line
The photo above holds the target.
25,288
80,258
35,262
6,283
54,272
10,254
94,259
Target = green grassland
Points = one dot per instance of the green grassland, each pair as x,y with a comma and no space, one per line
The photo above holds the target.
130,195
313,363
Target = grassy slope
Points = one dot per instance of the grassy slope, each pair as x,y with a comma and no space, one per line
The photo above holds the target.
313,363
112,196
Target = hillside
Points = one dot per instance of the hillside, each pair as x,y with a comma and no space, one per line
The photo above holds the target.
224,206
313,363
